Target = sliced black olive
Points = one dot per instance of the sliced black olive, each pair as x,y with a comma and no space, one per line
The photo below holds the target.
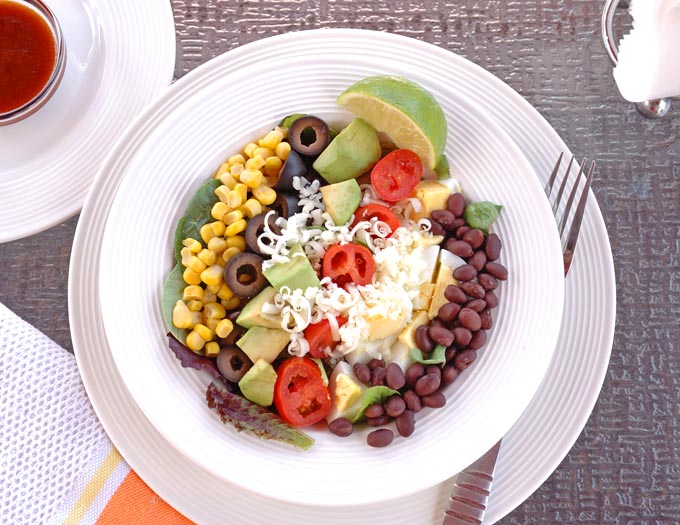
255,227
243,275
285,205
233,363
293,167
309,135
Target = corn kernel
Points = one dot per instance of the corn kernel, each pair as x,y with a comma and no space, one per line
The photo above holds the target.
224,328
232,217
212,274
282,150
218,210
186,255
255,163
222,191
194,305
196,317
264,194
224,168
249,149
251,178
235,228
229,253
194,341
212,288
224,293
193,293
211,323
237,159
251,208
237,241
210,297
206,234
234,198
271,139
192,244
205,332
283,131
231,304
196,264
272,166
191,277
217,245
228,181
263,152
214,310
212,349
207,256
236,171
181,316
218,228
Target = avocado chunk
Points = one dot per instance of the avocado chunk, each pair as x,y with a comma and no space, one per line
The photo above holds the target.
263,343
257,385
341,200
252,315
296,273
354,151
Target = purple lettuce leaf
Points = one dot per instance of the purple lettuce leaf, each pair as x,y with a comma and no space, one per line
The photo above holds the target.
190,359
245,415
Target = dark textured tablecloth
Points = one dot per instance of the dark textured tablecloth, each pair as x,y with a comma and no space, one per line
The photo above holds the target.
625,467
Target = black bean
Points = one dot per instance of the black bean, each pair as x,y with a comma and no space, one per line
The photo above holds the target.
435,400
427,384
412,401
476,304
436,228
478,260
458,223
461,231
423,339
475,290
470,319
464,273
478,340
458,247
395,406
491,300
456,204
450,352
378,376
487,322
374,363
374,410
437,322
492,247
445,218
433,369
497,270
378,421
380,438
463,336
455,294
464,359
487,281
341,427
474,238
441,335
413,373
449,374
394,376
448,312
406,423
363,373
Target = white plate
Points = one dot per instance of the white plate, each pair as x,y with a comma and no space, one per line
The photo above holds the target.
531,450
120,56
184,148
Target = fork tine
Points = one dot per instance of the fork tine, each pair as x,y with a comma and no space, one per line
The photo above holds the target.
574,189
556,204
551,180
578,218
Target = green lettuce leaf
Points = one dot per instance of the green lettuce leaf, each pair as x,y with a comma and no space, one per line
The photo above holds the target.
482,214
375,394
197,214
437,357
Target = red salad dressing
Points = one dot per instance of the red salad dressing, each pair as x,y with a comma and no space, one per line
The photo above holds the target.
27,54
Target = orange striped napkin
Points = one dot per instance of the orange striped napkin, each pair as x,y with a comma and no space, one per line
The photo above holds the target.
57,466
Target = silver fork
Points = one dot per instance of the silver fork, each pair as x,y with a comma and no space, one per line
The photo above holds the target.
471,490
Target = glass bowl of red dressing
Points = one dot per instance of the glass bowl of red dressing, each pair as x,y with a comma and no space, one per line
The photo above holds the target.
32,58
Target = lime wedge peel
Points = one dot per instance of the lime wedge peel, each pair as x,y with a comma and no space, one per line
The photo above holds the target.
402,109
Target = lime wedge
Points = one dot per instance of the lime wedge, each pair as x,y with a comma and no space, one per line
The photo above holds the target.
403,110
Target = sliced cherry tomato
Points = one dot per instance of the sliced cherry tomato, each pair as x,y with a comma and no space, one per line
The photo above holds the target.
319,336
380,212
299,393
396,175
348,263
